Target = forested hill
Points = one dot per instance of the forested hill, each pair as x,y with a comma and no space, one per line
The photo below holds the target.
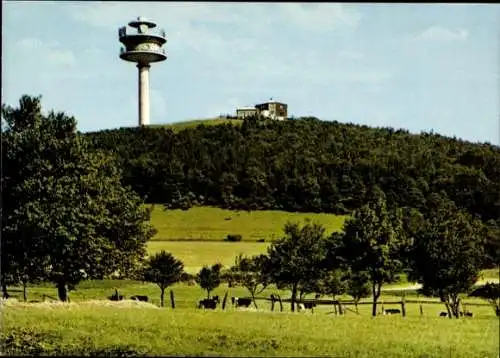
303,165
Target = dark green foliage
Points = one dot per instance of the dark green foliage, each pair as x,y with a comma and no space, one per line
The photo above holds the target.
66,215
209,278
374,242
447,253
164,270
296,260
491,293
358,285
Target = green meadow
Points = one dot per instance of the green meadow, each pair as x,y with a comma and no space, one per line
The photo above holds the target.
99,327
214,224
195,254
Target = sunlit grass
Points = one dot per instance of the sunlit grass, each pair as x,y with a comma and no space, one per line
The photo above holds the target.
81,328
209,223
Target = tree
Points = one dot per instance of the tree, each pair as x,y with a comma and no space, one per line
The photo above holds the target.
491,293
333,283
209,278
164,270
357,286
64,207
374,242
252,272
447,253
298,258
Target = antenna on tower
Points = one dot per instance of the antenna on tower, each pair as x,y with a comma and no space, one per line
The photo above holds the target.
143,48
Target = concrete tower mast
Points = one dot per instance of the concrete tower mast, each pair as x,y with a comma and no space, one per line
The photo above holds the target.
143,48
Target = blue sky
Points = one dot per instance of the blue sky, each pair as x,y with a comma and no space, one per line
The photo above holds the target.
419,67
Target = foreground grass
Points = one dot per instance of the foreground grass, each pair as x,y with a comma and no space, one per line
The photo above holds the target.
143,329
208,223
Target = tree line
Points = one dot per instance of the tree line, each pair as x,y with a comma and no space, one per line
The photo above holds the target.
307,165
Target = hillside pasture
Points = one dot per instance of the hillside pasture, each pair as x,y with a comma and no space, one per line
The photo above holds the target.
139,328
214,224
179,126
196,254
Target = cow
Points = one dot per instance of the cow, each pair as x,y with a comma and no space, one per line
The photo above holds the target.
443,314
116,296
392,311
468,314
309,305
140,298
241,301
209,303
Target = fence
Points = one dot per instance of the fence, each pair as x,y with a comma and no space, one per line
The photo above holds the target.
340,307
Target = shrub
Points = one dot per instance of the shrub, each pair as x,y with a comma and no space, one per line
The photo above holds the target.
233,238
261,240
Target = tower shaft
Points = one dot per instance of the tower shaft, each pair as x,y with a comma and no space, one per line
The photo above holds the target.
143,94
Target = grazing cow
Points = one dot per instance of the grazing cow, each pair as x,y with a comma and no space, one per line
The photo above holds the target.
392,311
241,301
116,296
468,314
300,307
309,305
140,298
443,314
209,303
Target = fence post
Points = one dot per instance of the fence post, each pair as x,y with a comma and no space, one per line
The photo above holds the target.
421,310
403,307
172,298
281,303
224,301
341,311
272,303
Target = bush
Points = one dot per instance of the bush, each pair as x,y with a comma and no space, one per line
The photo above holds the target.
261,240
233,238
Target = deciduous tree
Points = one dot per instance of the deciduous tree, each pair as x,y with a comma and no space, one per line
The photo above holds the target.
164,270
374,242
209,278
298,258
65,208
447,253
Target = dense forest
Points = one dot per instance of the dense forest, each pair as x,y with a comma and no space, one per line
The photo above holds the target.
306,165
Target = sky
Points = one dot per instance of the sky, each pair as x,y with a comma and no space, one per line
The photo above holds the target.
423,68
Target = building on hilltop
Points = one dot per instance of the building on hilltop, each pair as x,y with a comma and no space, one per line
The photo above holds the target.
271,110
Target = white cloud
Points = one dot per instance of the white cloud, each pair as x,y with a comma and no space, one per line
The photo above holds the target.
45,53
436,33
321,17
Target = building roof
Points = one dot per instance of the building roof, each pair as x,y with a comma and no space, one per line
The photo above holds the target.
245,108
271,102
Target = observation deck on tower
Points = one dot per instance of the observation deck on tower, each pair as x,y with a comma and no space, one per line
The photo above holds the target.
142,47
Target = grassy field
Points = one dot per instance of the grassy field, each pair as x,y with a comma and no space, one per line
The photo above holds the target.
97,328
196,254
91,324
208,223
